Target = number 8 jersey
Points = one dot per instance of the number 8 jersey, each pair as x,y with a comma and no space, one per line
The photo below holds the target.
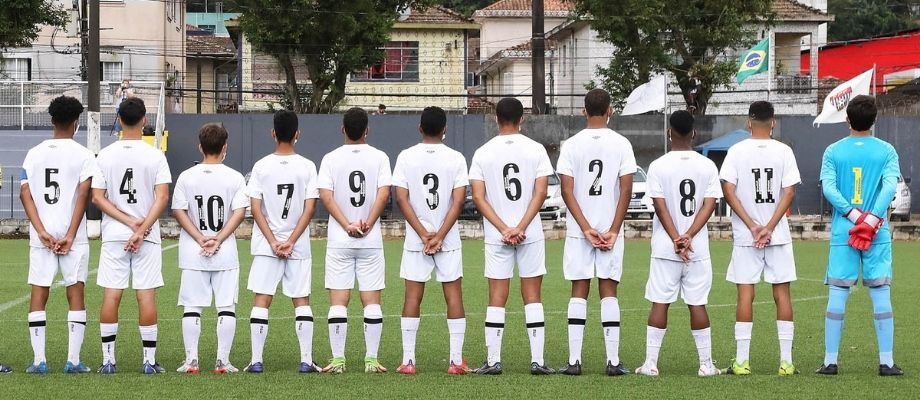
282,183
353,173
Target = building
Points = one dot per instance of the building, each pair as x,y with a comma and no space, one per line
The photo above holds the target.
577,55
893,55
212,67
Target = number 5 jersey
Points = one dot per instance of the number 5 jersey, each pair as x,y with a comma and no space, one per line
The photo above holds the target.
283,183
354,172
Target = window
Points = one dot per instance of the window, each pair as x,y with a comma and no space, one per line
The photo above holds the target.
400,64
17,69
507,84
565,55
111,71
205,6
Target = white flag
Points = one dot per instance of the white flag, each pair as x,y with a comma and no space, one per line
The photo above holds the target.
649,96
835,105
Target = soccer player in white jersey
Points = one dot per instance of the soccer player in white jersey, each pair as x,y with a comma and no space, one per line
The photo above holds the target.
354,186
55,188
684,187
758,179
131,188
209,202
282,190
431,180
596,167
509,176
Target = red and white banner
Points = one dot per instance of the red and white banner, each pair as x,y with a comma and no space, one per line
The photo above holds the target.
835,105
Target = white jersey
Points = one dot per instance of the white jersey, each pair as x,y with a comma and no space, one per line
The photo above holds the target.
431,172
128,171
353,173
210,193
283,183
53,170
596,159
509,166
683,179
760,169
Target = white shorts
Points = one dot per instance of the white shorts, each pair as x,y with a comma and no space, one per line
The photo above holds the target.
417,267
44,265
668,277
197,287
294,275
529,257
343,265
145,268
580,260
776,263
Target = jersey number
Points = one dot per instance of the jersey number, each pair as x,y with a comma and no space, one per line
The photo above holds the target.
287,189
356,182
758,186
687,191
51,183
432,201
857,186
215,205
512,185
127,186
596,188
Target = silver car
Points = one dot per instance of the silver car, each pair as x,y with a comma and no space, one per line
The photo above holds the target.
900,207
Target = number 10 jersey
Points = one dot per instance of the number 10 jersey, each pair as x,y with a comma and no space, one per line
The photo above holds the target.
353,173
283,183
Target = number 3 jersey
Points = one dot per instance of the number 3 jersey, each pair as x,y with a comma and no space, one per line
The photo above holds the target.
210,193
283,183
683,179
760,169
353,173
508,165
53,170
596,159
128,171
430,172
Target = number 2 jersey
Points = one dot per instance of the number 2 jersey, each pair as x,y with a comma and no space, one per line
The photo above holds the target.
683,179
283,183
54,170
760,169
210,193
128,171
353,173
430,172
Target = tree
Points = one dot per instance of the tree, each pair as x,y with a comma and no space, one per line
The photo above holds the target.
694,40
466,7
860,19
21,20
331,38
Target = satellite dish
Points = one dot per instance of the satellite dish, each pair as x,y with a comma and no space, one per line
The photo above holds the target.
403,13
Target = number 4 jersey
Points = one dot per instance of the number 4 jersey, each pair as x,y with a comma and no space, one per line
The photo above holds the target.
210,193
283,183
353,173
760,169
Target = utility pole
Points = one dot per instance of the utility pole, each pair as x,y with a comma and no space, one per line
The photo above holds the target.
198,82
92,57
84,37
538,69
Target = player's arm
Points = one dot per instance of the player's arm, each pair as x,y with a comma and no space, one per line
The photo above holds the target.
25,195
160,202
328,199
402,200
702,217
626,183
728,192
781,209
102,202
380,204
458,195
79,209
479,199
664,217
181,216
829,185
259,217
309,207
575,212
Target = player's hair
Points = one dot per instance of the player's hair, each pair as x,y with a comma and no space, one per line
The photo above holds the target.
761,111
597,102
433,121
64,110
681,122
285,125
509,111
132,111
862,112
212,137
355,122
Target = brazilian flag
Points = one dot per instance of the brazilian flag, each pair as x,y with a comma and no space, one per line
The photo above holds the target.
754,60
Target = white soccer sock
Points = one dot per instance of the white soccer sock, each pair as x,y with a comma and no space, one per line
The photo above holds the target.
578,315
373,329
495,327
536,331
743,340
610,322
226,330
37,322
191,331
653,339
108,332
409,326
149,341
703,339
258,328
76,329
785,330
303,320
338,330
456,328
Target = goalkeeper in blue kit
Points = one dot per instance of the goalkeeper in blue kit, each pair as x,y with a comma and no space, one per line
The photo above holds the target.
859,176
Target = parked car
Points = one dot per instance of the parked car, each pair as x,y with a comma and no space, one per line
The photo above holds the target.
469,210
553,207
900,207
640,205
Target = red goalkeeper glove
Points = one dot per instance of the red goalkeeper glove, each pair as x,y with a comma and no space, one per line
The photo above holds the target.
866,226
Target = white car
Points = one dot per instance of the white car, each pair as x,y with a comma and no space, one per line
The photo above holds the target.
553,207
900,207
640,205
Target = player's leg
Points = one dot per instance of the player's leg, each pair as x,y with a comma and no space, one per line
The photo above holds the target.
147,322
75,269
578,267
194,295
146,267
113,277
296,284
499,267
609,272
226,294
339,280
842,273
456,325
661,290
415,269
369,269
531,261
43,265
695,285
264,276
744,270
779,270
877,276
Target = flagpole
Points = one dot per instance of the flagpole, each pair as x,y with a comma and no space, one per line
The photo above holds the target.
769,64
664,111
874,89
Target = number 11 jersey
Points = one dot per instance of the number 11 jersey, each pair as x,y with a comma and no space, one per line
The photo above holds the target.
282,183
353,173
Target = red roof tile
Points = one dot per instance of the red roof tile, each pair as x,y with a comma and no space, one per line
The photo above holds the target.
436,14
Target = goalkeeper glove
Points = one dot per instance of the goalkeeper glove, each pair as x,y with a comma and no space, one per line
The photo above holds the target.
865,226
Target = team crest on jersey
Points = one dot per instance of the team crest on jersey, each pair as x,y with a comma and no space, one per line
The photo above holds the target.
860,143
596,137
52,146
509,142
207,171
284,162
429,151
356,151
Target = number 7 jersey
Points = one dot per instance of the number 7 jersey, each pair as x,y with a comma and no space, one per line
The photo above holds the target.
283,183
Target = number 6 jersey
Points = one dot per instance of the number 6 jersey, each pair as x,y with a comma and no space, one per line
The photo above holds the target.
283,183
353,173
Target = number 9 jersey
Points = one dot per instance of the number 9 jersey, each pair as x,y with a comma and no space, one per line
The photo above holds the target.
283,183
353,173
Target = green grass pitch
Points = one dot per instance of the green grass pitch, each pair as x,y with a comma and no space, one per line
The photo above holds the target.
678,364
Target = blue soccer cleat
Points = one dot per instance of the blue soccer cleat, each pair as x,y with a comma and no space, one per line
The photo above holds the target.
308,368
80,368
254,368
107,369
152,369
5,369
40,368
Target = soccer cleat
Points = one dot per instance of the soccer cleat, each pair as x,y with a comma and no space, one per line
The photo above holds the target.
372,366
152,369
830,369
336,366
221,368
648,370
254,368
570,369
486,369
80,368
616,370
710,370
894,370
190,367
40,368
738,369
458,369
107,369
537,369
308,368
5,369
407,369
787,369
